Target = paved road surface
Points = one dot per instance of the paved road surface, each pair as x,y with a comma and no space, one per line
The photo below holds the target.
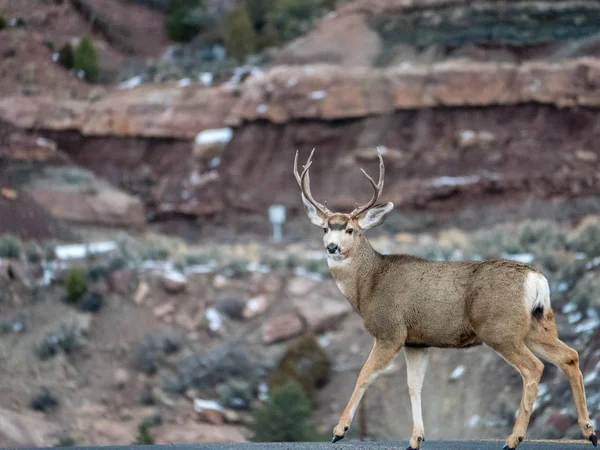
381,445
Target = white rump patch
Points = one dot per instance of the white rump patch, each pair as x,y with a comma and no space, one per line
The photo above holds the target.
537,292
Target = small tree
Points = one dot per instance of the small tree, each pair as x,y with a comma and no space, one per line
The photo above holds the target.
144,437
284,417
240,37
86,60
76,285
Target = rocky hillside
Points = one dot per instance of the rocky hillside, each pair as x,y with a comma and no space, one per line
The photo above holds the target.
173,319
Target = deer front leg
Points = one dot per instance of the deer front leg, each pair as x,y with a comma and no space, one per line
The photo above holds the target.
416,365
381,355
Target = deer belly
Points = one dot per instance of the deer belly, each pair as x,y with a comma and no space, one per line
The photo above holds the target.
444,337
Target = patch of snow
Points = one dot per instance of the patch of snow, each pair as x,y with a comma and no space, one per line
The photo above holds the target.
253,304
382,149
580,255
202,268
255,267
215,162
457,373
542,389
467,135
593,263
301,271
184,82
325,340
185,195
177,277
159,266
131,83
590,377
214,136
263,391
455,181
42,142
215,321
563,286
587,325
262,108
331,15
291,82
574,317
81,74
200,405
55,56
569,308
473,421
78,251
318,95
526,258
206,78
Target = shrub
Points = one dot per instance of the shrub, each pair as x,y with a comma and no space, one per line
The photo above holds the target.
232,306
3,22
540,236
147,356
586,238
587,292
494,242
49,251
91,302
76,285
305,363
67,338
86,60
284,417
236,394
44,401
206,370
32,252
182,22
144,437
240,37
10,246
237,269
66,57
294,17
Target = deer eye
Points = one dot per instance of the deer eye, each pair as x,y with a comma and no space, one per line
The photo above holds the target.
325,230
349,230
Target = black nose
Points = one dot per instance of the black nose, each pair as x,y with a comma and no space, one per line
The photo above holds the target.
332,248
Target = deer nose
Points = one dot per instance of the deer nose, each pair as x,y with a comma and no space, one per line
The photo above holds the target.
332,248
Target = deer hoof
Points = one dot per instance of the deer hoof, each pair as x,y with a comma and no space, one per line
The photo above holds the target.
594,440
506,447
337,438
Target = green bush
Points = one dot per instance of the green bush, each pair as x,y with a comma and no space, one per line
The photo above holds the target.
305,363
32,252
541,236
185,19
284,417
76,285
587,292
66,57
144,437
3,22
86,60
240,37
586,238
10,246
295,17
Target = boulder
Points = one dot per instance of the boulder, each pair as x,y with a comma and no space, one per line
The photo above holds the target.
174,282
321,313
281,328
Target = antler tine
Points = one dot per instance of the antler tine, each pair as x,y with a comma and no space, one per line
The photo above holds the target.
377,187
304,182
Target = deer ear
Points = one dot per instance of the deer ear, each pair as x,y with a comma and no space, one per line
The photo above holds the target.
375,216
314,215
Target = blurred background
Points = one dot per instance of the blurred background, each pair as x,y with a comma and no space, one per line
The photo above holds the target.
146,155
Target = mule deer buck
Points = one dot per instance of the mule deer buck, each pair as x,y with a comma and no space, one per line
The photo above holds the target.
413,303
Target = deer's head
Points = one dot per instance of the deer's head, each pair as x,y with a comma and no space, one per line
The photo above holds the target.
342,232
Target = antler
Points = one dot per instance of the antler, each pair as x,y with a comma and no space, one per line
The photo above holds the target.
304,182
377,187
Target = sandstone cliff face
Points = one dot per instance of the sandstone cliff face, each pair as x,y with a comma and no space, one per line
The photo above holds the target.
454,135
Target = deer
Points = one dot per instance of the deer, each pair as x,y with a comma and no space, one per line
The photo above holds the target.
407,302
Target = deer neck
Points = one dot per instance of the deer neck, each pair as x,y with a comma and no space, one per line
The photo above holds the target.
354,274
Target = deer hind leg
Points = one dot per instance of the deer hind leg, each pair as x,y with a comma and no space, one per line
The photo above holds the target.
543,340
416,365
381,355
530,368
